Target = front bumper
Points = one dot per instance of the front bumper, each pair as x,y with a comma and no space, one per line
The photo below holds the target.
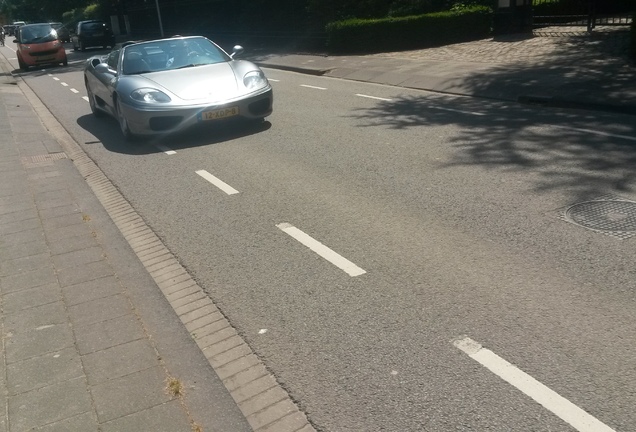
159,120
46,57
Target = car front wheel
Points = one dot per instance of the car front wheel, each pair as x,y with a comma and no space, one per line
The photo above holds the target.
91,101
123,123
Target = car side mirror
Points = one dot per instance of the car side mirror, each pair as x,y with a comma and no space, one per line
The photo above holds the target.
237,51
103,68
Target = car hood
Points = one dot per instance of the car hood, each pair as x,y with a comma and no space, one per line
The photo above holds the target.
213,82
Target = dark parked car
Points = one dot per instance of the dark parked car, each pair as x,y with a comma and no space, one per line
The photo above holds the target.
62,32
92,33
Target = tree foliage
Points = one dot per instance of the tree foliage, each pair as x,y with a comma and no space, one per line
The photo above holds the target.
38,10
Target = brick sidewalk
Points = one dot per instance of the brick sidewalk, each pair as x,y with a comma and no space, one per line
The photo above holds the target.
102,328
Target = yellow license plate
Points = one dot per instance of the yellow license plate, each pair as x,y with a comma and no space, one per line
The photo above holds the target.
220,113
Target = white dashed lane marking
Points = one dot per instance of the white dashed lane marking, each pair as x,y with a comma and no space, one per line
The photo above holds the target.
217,182
74,91
374,97
338,260
313,87
457,111
85,98
549,399
165,149
56,78
626,137
64,84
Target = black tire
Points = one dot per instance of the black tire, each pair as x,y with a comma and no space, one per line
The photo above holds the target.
91,101
22,66
65,62
82,47
123,124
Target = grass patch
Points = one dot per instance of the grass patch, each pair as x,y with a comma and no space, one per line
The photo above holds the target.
174,387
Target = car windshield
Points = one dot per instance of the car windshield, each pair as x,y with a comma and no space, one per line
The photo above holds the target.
37,34
171,54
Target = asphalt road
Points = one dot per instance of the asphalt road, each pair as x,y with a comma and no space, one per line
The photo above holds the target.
439,222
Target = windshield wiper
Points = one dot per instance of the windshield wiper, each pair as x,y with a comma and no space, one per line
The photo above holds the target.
191,65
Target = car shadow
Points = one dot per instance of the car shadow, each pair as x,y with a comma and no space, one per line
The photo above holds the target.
106,131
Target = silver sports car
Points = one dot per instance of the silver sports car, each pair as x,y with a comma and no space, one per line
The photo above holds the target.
162,86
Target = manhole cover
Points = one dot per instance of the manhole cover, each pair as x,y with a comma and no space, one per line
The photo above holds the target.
613,217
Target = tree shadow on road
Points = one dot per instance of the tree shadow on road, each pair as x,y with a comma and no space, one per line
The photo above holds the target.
512,137
552,143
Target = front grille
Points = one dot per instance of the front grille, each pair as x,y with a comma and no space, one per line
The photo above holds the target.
43,53
164,123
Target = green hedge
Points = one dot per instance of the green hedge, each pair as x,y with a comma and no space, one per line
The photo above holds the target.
391,34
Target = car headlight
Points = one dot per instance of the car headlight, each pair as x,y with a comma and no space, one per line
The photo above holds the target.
150,95
254,80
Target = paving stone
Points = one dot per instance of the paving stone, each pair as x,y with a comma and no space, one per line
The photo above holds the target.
25,264
55,234
94,289
65,210
49,405
27,320
34,297
272,413
99,310
46,203
11,240
207,324
84,273
53,222
19,226
290,423
119,361
167,417
25,345
245,377
209,309
198,294
254,388
35,247
26,280
78,258
85,422
19,216
263,400
58,195
44,370
130,394
48,185
107,334
237,366
73,243
16,207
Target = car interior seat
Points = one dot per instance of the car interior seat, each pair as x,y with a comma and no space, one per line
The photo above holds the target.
134,63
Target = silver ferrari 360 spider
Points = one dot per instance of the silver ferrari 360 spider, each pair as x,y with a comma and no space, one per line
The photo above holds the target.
162,86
